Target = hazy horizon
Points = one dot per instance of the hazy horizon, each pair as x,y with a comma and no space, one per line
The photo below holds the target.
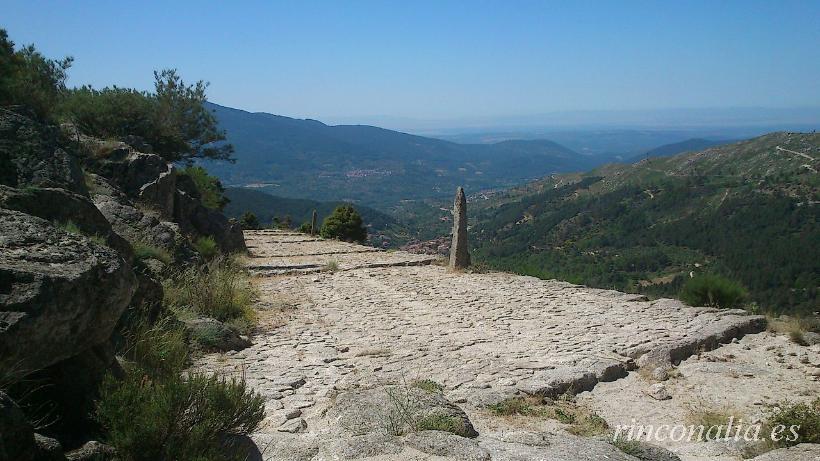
439,61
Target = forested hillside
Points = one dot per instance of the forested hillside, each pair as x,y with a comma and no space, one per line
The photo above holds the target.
373,166
266,207
747,211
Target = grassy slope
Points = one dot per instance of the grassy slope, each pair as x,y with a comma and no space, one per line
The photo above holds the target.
745,210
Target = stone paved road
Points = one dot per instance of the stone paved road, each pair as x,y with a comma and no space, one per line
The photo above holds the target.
387,317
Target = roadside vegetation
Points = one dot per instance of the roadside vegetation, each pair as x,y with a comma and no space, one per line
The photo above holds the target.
156,412
345,223
219,289
713,291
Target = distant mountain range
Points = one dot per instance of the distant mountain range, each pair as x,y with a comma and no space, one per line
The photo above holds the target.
374,166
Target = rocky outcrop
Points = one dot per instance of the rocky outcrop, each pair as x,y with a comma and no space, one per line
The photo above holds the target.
61,207
195,218
60,293
137,225
397,410
32,156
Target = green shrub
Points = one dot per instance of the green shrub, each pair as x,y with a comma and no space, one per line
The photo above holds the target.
206,247
428,385
344,223
208,187
158,349
221,290
804,415
713,291
144,251
249,221
512,406
176,418
439,422
304,228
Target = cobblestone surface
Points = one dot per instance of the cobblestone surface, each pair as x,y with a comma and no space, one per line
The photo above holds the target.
483,336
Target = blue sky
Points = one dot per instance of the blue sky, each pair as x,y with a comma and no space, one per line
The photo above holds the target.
443,59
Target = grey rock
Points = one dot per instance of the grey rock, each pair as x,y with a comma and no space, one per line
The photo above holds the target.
459,250
811,338
648,452
731,323
361,446
195,218
552,383
138,225
658,392
565,447
293,426
48,449
61,292
92,451
289,448
160,193
213,334
63,206
32,156
446,444
394,410
801,452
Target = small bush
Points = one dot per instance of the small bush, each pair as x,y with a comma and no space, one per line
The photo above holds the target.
176,419
513,406
713,291
344,223
144,251
331,266
304,228
249,221
804,415
439,422
221,290
206,247
794,326
158,349
428,385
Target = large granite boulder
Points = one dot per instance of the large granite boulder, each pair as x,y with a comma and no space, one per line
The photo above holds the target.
62,207
398,410
139,225
30,155
60,292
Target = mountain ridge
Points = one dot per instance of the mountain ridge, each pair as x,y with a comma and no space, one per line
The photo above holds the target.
305,158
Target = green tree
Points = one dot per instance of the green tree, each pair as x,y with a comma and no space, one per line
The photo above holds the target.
173,119
249,221
713,291
190,129
344,223
30,79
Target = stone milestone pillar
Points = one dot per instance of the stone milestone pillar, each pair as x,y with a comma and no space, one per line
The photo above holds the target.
459,253
313,224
